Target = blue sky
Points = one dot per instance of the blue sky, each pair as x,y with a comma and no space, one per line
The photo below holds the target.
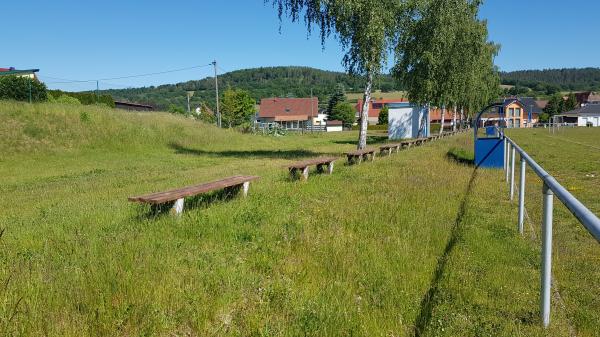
84,39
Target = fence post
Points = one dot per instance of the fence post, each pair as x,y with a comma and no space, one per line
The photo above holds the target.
522,195
505,150
507,160
546,254
512,174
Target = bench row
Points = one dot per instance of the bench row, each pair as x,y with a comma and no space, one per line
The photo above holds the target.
237,183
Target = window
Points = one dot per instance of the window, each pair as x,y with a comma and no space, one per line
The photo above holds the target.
518,112
511,112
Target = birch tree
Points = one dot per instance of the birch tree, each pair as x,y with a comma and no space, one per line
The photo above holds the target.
366,29
444,57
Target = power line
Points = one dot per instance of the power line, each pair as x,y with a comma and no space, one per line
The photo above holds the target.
64,81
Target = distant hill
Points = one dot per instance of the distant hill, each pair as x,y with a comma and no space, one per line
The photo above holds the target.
561,79
260,82
299,81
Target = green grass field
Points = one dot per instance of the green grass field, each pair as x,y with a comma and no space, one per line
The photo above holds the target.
415,244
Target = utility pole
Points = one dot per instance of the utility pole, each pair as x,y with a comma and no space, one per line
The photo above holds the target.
217,93
97,91
189,96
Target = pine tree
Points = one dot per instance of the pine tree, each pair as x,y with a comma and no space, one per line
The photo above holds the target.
338,96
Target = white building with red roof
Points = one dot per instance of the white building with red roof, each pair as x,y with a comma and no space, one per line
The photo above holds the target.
290,113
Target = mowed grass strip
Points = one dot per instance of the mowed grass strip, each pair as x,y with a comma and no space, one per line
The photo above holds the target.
576,254
354,253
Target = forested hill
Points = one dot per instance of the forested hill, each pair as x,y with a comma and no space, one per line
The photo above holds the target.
564,79
260,82
299,81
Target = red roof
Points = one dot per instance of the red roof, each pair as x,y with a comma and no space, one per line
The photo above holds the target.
377,104
7,69
286,108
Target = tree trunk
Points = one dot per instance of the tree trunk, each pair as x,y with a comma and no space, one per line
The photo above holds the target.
454,118
364,115
442,119
462,117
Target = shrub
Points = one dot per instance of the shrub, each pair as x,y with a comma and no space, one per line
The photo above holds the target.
22,89
86,98
65,99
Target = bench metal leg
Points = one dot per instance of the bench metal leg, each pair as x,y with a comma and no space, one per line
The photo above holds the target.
330,168
178,207
372,156
245,188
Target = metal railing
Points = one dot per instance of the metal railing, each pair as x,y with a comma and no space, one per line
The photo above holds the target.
551,188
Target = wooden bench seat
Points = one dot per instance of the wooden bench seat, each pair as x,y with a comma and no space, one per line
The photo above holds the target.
178,195
420,141
389,148
407,143
302,166
358,155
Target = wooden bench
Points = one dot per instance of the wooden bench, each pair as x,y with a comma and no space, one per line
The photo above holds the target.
407,143
177,196
420,141
358,155
302,166
389,148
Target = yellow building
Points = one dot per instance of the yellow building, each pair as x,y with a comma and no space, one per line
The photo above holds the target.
514,113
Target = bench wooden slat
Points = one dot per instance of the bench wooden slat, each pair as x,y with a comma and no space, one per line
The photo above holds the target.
360,152
389,146
310,162
171,195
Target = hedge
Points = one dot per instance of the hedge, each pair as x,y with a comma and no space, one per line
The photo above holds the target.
22,89
86,98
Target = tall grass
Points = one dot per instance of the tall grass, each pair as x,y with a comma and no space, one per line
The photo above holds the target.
411,244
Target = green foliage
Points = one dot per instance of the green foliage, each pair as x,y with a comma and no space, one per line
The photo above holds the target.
22,89
550,81
259,82
337,97
343,112
556,105
544,117
174,109
86,98
206,115
570,103
383,115
65,99
237,107
445,58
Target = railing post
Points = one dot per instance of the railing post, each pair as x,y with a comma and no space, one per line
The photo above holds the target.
507,159
505,150
512,174
546,254
522,195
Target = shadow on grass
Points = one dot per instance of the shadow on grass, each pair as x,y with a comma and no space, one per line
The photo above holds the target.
461,156
370,140
276,154
201,201
428,300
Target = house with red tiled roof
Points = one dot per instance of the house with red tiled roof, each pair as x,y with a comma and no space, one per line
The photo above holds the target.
587,97
375,107
289,113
